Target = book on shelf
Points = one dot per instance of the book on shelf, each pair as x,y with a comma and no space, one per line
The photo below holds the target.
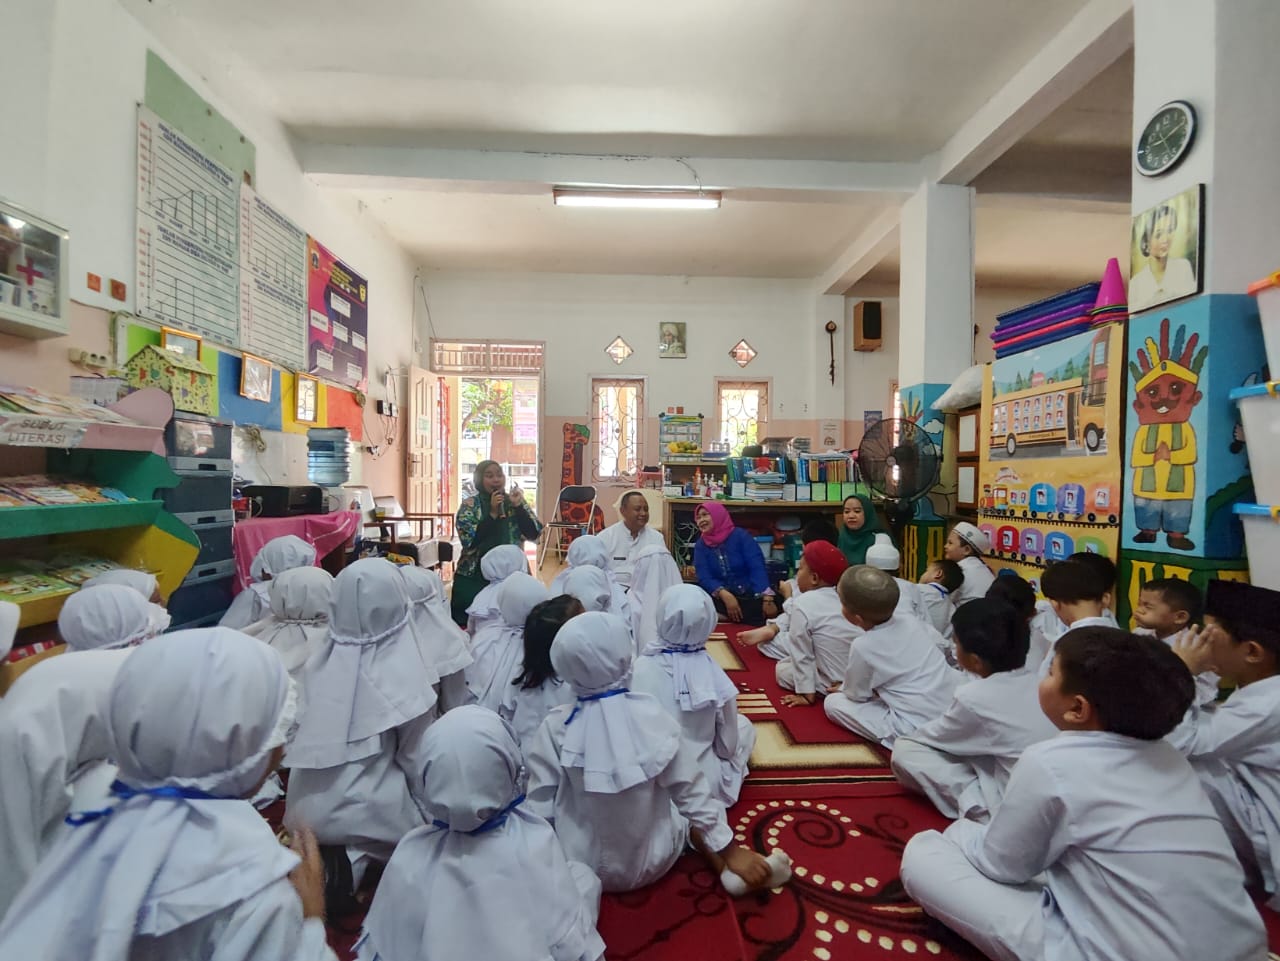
40,490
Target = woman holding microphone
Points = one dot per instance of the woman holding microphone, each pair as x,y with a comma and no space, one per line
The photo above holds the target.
489,519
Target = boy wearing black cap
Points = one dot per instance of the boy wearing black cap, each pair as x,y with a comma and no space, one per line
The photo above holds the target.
1104,846
1236,748
1076,594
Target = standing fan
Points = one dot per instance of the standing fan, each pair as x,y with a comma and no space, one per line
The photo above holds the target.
902,473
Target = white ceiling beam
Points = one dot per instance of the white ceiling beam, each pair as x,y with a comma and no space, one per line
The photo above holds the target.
874,244
1093,40
377,167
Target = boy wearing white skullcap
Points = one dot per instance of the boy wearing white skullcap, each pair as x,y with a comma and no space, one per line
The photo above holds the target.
614,776
177,865
966,545
883,555
481,838
278,555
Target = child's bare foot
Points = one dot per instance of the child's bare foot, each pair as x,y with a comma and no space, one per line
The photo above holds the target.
799,700
757,636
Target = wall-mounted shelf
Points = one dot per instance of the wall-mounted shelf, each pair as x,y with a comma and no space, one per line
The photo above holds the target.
147,411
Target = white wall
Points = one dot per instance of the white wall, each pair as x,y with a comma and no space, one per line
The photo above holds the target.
69,153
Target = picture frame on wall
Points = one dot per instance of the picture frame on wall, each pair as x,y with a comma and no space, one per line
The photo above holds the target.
1166,251
307,392
256,375
181,342
671,339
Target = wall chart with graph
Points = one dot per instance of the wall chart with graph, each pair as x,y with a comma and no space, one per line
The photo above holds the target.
273,282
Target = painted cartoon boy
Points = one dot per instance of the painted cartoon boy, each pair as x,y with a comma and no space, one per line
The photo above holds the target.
1164,446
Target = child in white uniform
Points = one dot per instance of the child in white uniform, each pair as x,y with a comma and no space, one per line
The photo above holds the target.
966,545
694,689
298,619
10,614
818,638
496,566
278,555
615,777
1075,593
590,551
653,572
1168,608
896,678
497,647
1105,847
591,588
962,760
442,641
535,689
771,639
483,849
1235,749
883,556
937,587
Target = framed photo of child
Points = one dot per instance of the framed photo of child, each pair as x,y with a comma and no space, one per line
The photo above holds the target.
1166,255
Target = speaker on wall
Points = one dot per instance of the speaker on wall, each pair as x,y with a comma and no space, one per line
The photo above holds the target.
866,325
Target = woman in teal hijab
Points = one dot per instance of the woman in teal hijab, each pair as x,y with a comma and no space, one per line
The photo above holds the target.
861,525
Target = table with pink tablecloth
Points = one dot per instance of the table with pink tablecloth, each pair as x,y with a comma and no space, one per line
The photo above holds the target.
325,531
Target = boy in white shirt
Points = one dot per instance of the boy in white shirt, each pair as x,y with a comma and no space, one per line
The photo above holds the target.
818,638
938,585
1168,608
896,678
1075,593
884,556
962,760
966,545
1104,847
1235,749
771,639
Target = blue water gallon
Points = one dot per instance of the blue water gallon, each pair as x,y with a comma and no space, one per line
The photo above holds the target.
328,456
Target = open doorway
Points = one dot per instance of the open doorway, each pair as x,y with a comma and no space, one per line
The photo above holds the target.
499,421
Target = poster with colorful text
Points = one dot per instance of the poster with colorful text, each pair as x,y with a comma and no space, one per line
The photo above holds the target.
338,319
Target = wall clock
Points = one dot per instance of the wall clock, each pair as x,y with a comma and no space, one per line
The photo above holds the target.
1165,139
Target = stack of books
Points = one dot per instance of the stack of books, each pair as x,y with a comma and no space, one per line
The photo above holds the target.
765,485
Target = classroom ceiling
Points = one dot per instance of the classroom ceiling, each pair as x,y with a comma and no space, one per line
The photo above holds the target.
867,81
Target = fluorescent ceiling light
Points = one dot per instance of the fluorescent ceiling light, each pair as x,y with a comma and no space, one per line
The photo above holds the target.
653,199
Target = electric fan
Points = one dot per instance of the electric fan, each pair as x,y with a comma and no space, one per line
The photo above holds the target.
901,472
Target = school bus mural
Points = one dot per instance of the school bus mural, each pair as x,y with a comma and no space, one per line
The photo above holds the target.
1063,407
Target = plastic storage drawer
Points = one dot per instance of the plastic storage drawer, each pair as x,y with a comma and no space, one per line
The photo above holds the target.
199,603
215,543
198,493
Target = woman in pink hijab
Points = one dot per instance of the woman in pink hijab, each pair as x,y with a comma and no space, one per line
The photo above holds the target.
730,565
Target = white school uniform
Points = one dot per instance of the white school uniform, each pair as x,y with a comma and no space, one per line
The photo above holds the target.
962,760
164,877
296,625
482,849
623,548
612,772
694,689
53,734
441,640
525,708
977,579
909,601
655,571
109,616
1207,682
590,551
938,607
818,639
370,695
498,647
895,680
1052,634
278,555
496,566
1235,749
778,648
1104,848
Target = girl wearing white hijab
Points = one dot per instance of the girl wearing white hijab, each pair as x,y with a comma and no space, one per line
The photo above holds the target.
677,670
177,865
614,776
370,695
590,551
109,616
497,648
10,614
443,641
298,620
591,587
496,566
655,570
536,689
485,878
142,582
278,555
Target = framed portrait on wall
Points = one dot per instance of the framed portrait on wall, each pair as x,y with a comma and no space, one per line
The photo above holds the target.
1166,253
306,390
255,378
180,342
671,342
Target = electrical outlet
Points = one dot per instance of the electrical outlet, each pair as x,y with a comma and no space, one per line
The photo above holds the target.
387,409
372,450
87,358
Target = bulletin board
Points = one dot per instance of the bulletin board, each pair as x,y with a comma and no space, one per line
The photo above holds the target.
338,329
1051,453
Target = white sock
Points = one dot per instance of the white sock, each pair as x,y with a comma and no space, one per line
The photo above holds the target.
779,874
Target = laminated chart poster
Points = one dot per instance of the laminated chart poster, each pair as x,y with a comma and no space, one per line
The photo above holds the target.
273,282
188,235
338,319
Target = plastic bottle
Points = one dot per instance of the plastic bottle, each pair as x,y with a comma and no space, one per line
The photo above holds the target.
697,482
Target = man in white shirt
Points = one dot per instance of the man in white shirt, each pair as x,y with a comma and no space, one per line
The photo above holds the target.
624,540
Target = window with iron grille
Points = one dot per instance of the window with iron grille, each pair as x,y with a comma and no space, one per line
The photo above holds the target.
617,427
743,412
486,357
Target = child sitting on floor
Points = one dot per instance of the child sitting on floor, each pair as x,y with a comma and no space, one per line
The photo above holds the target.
1075,594
442,642
938,585
496,566
618,781
298,619
536,689
278,555
771,639
966,545
654,572
1104,846
694,689
483,849
1016,592
896,678
1167,609
884,556
1235,749
961,761
590,551
497,648
590,586
819,637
